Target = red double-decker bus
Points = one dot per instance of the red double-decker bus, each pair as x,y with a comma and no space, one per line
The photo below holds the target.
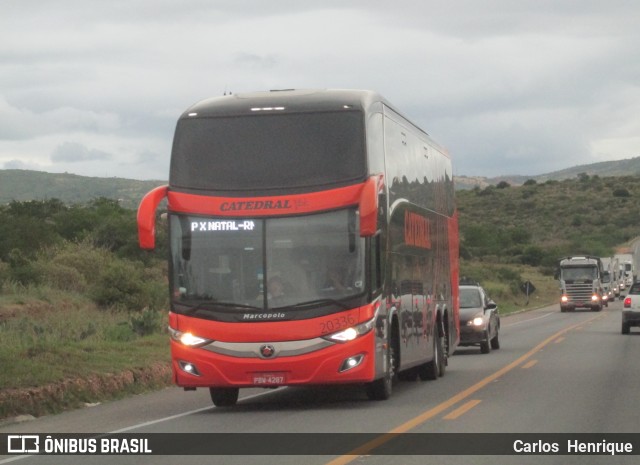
313,240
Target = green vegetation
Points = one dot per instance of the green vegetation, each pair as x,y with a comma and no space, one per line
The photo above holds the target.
535,224
79,301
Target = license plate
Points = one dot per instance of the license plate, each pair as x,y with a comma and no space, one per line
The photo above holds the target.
269,379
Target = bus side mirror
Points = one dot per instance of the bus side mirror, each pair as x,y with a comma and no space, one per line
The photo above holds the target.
147,217
368,206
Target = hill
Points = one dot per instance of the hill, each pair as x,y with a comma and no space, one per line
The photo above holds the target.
624,167
536,223
22,185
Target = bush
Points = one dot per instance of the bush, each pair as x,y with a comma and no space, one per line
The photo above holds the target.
83,257
62,277
532,255
146,322
621,192
119,333
127,285
119,285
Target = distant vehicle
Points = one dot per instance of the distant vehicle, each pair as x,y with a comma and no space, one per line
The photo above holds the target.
609,282
615,277
607,288
627,270
581,283
479,319
631,309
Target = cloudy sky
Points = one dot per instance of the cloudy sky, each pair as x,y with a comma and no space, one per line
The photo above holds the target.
95,87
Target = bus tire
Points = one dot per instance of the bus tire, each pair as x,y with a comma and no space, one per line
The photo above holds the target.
381,389
443,351
224,397
431,370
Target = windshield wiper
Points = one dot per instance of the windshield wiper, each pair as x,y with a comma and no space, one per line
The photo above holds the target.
312,303
212,304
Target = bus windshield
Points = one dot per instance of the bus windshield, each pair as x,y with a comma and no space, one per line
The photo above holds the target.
228,264
269,151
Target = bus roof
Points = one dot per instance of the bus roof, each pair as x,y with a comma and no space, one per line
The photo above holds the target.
290,100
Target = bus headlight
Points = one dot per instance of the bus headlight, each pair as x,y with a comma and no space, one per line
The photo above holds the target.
187,339
351,333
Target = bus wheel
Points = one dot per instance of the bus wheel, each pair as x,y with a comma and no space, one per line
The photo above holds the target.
443,351
380,389
224,397
431,370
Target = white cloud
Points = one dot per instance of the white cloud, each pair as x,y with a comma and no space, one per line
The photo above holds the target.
509,87
74,152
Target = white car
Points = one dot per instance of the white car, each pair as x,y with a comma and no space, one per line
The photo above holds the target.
631,308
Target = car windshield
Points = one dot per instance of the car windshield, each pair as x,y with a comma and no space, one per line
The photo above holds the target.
241,265
470,298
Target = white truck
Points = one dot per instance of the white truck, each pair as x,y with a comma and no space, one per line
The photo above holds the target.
615,276
627,270
609,284
581,283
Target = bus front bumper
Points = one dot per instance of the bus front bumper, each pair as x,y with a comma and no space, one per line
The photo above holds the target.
252,365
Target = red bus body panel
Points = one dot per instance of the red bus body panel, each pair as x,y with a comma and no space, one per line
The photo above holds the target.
320,367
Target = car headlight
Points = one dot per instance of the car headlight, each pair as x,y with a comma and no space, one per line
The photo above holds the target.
477,320
187,338
352,333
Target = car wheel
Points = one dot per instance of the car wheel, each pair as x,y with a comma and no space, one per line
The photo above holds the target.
224,397
625,328
495,342
485,346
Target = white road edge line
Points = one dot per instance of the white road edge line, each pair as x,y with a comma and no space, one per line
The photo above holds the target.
148,423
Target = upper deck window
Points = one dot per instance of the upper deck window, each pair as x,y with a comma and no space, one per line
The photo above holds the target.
269,151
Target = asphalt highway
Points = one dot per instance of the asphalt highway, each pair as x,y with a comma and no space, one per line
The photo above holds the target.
554,373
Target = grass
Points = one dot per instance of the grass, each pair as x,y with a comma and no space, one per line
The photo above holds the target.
63,350
51,345
502,283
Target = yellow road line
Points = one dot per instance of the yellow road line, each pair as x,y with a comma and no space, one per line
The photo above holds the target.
428,414
464,408
529,364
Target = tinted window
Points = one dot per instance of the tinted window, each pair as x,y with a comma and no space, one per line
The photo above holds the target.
635,289
268,151
470,298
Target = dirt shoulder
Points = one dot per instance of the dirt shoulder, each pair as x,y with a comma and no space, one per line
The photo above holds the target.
77,393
